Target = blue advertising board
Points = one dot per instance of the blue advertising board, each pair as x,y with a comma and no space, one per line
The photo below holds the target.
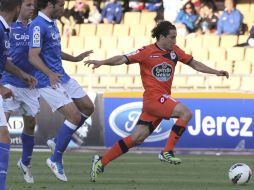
218,122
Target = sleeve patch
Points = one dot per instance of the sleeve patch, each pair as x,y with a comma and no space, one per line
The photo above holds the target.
36,36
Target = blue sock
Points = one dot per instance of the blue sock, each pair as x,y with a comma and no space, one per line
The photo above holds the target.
82,120
28,145
62,140
4,159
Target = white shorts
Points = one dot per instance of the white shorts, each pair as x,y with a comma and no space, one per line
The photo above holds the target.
63,94
3,121
25,101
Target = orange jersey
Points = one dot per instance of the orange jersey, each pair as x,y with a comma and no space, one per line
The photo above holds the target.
157,67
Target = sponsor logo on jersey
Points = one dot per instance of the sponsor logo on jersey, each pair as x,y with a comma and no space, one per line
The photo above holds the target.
55,36
123,119
162,72
23,37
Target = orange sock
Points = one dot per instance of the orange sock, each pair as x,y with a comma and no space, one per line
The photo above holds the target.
176,132
119,148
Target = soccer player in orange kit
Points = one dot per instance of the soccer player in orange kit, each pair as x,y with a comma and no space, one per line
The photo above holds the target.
157,65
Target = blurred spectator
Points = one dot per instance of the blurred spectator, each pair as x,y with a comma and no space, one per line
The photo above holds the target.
112,12
79,12
211,3
171,9
136,5
197,5
250,40
230,21
186,19
153,5
207,20
159,14
76,15
94,14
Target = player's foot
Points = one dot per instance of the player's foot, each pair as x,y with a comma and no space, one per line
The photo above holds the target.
57,169
97,168
26,171
51,144
169,157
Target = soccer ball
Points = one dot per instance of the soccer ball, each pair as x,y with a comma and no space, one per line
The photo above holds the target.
239,173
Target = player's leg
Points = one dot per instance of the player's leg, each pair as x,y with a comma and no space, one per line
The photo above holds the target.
81,100
165,106
26,101
4,147
58,99
119,148
184,115
63,137
85,106
27,136
4,152
28,139
145,126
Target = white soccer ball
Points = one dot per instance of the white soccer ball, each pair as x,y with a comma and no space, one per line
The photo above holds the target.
239,173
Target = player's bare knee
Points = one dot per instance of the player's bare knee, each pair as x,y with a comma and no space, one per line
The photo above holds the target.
139,139
4,135
188,114
75,118
88,110
29,129
29,124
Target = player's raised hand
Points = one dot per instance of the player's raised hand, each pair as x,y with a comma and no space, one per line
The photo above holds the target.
5,92
95,63
54,79
223,73
83,55
30,80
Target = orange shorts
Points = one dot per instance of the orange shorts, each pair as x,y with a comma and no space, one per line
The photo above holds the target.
156,109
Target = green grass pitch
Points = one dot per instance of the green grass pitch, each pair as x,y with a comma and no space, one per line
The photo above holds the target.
132,171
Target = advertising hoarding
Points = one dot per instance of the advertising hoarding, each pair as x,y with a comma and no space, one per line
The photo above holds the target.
220,120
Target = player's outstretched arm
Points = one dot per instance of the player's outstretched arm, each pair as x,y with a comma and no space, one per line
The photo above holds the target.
198,66
80,57
116,60
13,69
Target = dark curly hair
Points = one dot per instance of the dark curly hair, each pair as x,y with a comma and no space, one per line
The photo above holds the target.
162,28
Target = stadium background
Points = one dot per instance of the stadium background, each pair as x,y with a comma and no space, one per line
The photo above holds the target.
199,91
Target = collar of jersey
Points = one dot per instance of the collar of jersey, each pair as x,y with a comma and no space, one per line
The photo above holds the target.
4,23
41,14
156,45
